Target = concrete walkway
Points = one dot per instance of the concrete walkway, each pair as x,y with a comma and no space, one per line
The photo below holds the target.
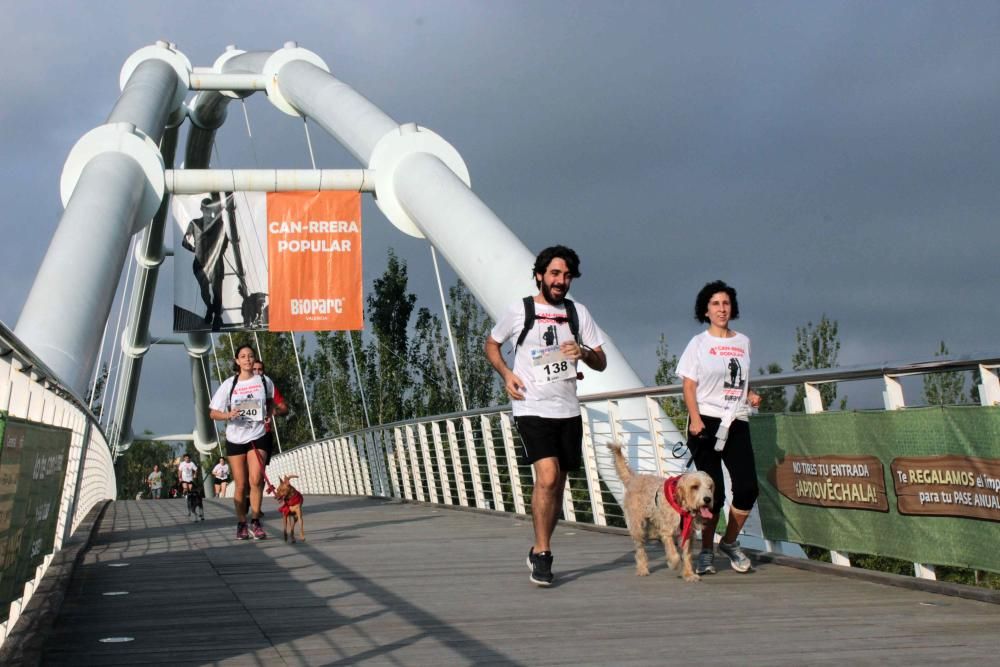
385,583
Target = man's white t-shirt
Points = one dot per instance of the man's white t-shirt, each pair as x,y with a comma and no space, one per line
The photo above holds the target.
721,367
250,397
534,362
187,470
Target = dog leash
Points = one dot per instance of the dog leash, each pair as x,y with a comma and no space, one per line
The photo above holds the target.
260,459
687,518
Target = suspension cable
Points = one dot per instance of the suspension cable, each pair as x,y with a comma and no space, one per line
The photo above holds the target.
121,307
274,424
447,325
218,366
305,396
208,388
361,386
97,369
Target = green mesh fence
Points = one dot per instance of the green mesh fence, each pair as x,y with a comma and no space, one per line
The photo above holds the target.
921,485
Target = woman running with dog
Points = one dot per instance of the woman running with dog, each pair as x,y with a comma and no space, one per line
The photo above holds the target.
244,402
715,368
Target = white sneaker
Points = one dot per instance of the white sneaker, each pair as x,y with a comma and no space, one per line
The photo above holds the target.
739,560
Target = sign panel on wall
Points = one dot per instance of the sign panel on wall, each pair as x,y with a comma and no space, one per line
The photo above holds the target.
33,461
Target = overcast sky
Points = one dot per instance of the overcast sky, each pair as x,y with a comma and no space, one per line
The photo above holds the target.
822,157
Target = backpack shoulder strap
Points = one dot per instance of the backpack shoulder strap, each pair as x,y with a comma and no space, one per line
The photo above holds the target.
574,319
232,388
529,319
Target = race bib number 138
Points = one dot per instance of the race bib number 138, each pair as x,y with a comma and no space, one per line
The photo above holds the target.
549,364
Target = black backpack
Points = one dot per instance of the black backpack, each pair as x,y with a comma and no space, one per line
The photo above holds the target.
529,319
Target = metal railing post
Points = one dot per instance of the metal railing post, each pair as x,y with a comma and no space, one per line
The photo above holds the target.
515,472
456,460
425,457
491,463
441,463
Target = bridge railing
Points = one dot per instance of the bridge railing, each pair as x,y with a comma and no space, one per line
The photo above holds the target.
470,459
30,393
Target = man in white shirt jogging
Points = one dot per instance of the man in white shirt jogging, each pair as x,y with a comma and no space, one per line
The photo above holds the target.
187,470
551,335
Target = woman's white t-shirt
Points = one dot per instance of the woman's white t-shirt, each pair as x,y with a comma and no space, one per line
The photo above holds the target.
250,398
220,471
721,367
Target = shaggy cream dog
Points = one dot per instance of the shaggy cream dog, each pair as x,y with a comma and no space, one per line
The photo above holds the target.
665,509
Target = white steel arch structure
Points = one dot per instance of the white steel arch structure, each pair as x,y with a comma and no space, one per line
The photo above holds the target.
115,183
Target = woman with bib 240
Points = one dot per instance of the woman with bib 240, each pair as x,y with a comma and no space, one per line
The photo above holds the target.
244,402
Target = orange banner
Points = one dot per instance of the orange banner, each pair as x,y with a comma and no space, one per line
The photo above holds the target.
314,261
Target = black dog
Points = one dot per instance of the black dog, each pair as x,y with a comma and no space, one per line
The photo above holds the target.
196,508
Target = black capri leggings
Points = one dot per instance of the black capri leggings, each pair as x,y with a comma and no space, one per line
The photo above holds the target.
737,457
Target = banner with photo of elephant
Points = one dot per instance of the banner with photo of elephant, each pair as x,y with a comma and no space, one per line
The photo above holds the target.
267,261
920,484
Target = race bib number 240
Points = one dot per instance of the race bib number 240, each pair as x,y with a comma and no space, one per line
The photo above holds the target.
250,410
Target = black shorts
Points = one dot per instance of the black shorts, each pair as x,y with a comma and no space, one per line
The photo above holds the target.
263,445
221,481
737,457
545,437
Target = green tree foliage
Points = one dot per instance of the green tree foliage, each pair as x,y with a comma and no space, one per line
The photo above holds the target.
944,388
469,327
435,386
385,367
816,347
772,399
134,466
666,373
337,402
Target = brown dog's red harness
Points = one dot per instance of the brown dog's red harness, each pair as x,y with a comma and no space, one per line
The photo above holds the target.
288,503
687,518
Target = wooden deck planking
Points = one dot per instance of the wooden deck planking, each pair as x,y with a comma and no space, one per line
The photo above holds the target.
403,584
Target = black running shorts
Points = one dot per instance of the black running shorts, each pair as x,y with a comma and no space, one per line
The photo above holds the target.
545,437
263,445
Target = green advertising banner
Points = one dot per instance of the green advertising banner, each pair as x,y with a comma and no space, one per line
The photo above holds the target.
33,461
920,484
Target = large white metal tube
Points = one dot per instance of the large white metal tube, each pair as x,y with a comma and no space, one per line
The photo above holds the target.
336,107
196,181
63,317
493,262
236,82
70,300
144,101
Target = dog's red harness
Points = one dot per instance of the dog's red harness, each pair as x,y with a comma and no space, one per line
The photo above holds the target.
288,503
687,518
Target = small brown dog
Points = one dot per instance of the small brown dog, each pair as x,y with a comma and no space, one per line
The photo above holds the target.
664,508
290,506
